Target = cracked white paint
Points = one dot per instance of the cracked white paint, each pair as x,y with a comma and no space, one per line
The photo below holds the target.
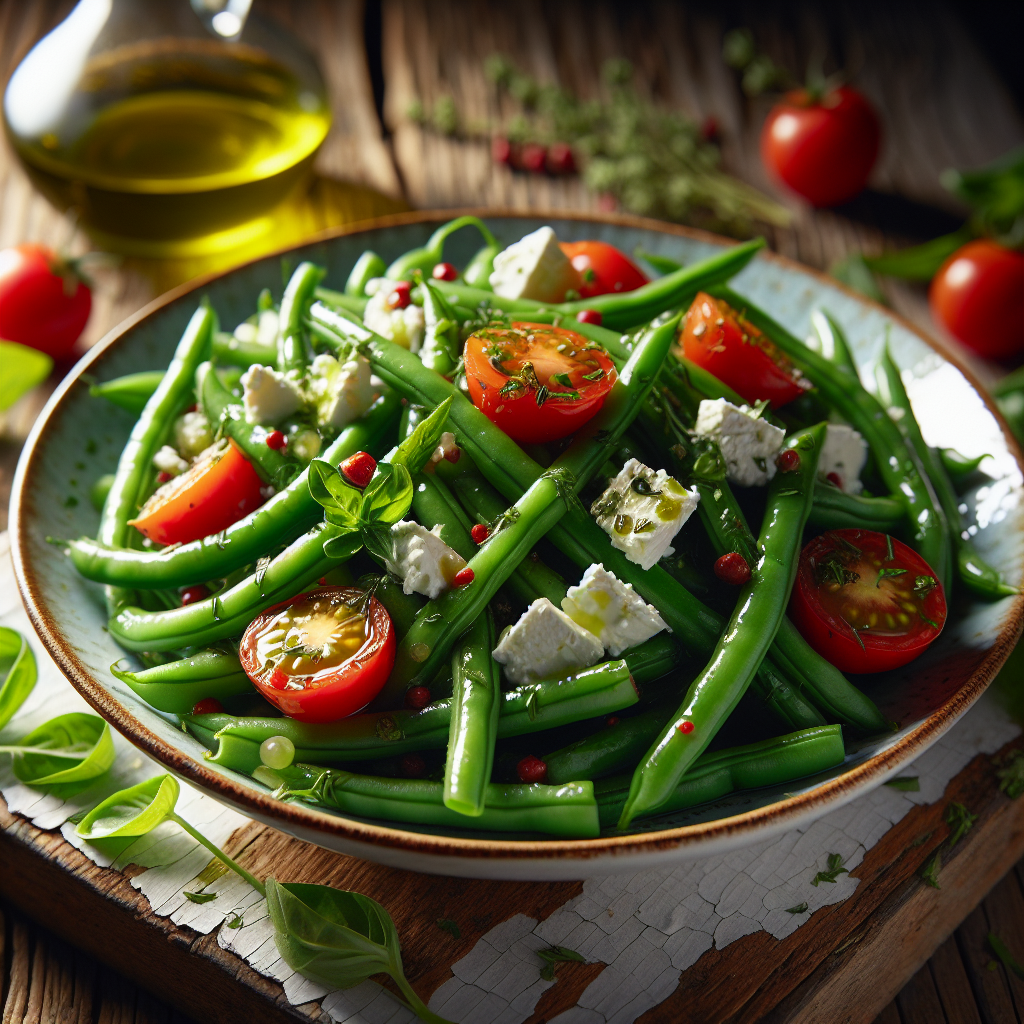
646,927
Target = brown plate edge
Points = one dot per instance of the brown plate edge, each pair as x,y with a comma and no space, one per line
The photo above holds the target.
778,813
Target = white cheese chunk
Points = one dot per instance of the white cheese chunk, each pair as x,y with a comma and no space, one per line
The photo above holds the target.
404,327
167,460
612,611
423,562
268,396
342,392
749,444
245,331
843,453
192,434
545,643
642,510
534,268
267,326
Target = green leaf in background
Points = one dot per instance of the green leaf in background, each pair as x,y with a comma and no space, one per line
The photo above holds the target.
996,192
72,748
132,812
919,262
1002,951
855,272
21,369
17,670
338,938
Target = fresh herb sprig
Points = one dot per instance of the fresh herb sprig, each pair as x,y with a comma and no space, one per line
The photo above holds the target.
834,868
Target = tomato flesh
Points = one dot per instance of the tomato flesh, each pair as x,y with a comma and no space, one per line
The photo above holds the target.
978,295
718,339
36,307
536,382
602,268
320,656
823,149
865,601
218,490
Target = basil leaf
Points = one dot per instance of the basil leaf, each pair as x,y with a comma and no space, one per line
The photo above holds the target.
20,663
380,543
414,451
343,546
132,812
388,496
919,262
24,368
330,489
201,897
74,748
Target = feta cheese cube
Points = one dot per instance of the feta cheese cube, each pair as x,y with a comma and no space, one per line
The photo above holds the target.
423,562
545,642
167,460
844,453
192,434
749,444
612,611
534,268
642,510
404,327
268,396
342,392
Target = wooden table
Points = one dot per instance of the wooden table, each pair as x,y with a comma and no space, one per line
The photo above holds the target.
942,106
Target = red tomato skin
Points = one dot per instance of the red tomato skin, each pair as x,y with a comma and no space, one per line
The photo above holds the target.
978,296
520,417
613,270
361,678
836,642
754,368
34,309
218,497
823,150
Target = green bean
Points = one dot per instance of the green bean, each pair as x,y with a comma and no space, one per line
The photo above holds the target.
476,699
959,467
225,413
714,775
235,742
441,348
226,348
130,392
287,514
568,811
366,268
782,697
340,301
426,258
479,269
897,464
974,572
291,343
834,509
712,697
177,686
833,344
403,608
98,493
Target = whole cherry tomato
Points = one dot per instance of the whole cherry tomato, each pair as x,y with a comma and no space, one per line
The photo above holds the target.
719,340
320,656
603,268
218,490
866,602
537,382
978,295
822,148
43,302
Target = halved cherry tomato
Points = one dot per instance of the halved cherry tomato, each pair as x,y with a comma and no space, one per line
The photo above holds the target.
824,147
320,656
978,294
218,490
718,339
602,268
537,382
865,601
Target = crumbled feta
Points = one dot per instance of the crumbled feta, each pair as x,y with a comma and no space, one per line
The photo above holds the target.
245,331
404,327
192,434
267,326
545,642
167,460
843,453
268,396
534,268
642,510
749,444
612,611
447,449
423,562
341,392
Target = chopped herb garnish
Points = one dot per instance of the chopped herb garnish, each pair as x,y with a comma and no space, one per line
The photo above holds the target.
555,955
885,574
889,554
235,920
833,870
643,526
70,501
542,395
643,486
960,820
1011,774
562,378
598,374
929,872
906,784
800,908
200,897
921,840
449,926
1002,951
930,622
924,585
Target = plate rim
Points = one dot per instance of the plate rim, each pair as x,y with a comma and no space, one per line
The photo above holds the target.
790,810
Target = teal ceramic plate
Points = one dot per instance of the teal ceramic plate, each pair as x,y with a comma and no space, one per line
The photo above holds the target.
926,698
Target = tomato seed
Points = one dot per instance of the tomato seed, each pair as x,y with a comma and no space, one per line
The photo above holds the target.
444,272
686,728
788,461
479,533
463,577
732,568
